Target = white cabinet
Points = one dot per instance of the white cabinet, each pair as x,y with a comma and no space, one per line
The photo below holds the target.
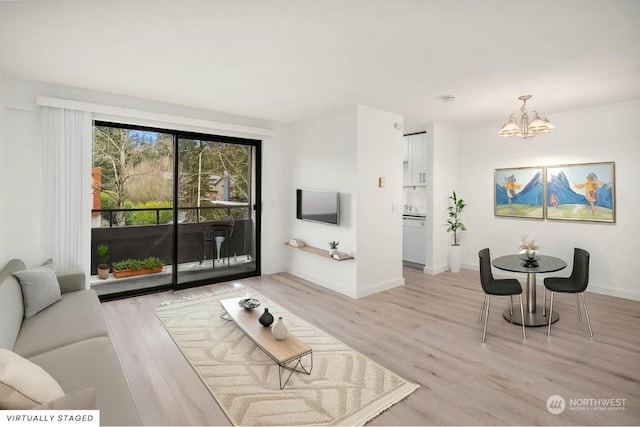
413,240
415,156
418,156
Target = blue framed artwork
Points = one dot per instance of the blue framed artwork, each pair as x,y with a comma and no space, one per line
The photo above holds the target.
581,192
519,192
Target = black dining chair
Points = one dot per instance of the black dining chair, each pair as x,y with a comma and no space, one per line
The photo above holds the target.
574,284
499,287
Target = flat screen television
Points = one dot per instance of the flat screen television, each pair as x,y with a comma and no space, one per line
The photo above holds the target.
318,206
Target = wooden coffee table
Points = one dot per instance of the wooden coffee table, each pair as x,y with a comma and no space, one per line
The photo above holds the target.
287,354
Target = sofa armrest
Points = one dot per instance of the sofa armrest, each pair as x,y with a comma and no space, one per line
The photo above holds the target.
71,281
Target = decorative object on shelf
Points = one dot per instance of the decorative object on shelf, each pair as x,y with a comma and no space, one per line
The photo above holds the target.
341,255
279,331
103,255
455,225
296,243
249,303
319,251
136,267
526,127
266,319
519,192
333,248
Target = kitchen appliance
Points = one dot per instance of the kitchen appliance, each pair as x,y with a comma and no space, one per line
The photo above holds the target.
414,239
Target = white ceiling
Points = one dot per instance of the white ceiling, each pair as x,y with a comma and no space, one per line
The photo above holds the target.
285,60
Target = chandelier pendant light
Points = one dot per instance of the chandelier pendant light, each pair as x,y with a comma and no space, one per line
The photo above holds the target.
526,127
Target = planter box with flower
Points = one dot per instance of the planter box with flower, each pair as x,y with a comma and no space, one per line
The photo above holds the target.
136,267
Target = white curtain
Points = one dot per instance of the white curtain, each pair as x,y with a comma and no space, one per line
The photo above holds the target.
67,201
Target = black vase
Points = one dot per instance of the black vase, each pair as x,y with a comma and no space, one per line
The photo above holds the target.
266,319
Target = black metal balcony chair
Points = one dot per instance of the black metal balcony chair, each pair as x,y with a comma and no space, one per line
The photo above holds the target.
575,284
498,287
217,234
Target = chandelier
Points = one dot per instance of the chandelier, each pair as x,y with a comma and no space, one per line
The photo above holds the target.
526,127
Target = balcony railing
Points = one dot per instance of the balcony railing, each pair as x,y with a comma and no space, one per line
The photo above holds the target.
156,238
238,210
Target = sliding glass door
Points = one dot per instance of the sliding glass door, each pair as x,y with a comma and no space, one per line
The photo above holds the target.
216,197
188,200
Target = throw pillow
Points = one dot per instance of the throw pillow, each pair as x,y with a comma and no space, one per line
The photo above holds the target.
23,384
78,400
40,288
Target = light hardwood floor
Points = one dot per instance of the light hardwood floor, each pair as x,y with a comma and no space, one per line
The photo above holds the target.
428,332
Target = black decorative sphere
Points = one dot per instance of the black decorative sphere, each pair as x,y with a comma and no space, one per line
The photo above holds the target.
266,319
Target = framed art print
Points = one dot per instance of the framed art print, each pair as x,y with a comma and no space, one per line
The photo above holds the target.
581,192
519,192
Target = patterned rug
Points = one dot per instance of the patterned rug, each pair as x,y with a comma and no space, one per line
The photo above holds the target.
344,388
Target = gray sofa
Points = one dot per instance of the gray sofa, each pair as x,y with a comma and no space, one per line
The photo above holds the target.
70,341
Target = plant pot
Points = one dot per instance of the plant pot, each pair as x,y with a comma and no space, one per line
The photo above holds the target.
103,273
455,258
128,273
332,252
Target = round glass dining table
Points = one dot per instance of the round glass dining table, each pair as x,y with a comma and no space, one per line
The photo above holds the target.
534,315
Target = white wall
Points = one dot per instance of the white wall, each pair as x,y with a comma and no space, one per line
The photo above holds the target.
379,210
347,151
323,156
20,211
605,133
444,176
276,199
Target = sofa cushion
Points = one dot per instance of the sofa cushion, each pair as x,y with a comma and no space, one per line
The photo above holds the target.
40,288
77,400
76,317
23,384
93,363
11,305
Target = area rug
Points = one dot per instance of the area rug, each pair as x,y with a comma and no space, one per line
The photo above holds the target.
344,388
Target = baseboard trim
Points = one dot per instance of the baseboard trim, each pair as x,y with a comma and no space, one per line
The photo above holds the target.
632,295
351,293
325,284
374,289
471,266
433,271
413,265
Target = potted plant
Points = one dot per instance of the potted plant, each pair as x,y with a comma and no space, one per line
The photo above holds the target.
455,208
333,248
135,267
103,255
